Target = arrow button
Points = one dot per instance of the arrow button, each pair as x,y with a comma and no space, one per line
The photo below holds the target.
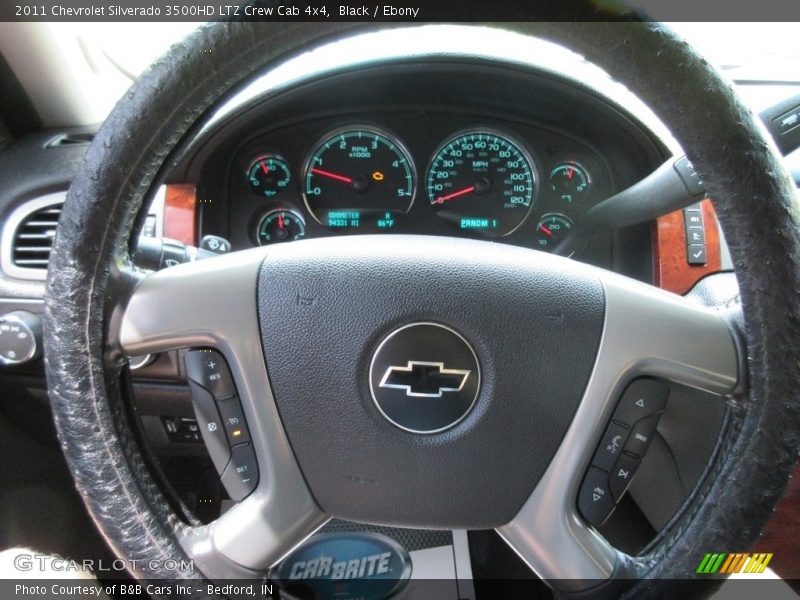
595,500
642,398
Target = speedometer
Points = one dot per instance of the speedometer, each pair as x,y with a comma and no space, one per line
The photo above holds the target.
482,181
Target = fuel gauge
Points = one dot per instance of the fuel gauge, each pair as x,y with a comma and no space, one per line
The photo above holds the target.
552,228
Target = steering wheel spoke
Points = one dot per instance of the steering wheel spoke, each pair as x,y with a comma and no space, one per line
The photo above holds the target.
649,333
212,304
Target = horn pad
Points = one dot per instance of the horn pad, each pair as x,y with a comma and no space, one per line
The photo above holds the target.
424,381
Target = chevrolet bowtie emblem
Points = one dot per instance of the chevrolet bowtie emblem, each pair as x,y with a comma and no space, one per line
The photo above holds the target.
424,379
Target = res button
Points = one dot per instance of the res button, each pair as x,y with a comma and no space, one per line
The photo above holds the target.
209,369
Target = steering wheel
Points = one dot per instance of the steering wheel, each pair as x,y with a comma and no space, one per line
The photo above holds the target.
515,458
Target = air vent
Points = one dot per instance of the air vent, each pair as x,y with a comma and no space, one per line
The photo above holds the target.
28,232
28,237
33,239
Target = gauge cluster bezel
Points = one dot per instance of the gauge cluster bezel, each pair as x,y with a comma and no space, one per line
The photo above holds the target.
421,215
414,101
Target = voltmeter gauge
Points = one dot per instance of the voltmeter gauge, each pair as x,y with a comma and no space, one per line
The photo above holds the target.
268,175
552,228
570,181
280,226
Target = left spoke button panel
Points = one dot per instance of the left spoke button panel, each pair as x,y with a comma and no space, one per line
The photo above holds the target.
221,421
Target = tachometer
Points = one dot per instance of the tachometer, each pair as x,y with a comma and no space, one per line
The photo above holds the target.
482,181
359,178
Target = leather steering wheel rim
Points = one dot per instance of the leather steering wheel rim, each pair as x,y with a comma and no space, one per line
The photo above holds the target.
724,141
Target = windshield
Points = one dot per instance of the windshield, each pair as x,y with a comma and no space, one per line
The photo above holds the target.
767,52
95,63
746,51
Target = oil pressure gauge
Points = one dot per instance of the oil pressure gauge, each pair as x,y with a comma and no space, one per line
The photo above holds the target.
268,175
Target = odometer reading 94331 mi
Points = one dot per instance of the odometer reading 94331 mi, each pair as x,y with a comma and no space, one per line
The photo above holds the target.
482,181
359,178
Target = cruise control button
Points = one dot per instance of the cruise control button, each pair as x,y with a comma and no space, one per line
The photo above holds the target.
210,425
233,420
641,435
641,399
241,476
594,500
622,474
610,446
209,369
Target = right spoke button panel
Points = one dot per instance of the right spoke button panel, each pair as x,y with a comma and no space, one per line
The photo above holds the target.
221,421
622,447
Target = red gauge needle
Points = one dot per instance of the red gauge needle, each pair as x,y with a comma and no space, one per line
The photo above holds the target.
443,199
332,175
570,172
545,230
264,167
280,222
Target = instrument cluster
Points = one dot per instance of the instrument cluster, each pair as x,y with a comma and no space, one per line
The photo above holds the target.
430,174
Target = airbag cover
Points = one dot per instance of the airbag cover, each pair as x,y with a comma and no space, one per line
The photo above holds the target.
534,321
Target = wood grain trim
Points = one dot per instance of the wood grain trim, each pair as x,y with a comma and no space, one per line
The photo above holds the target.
671,271
180,218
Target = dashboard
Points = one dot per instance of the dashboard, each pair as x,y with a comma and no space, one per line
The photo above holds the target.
435,147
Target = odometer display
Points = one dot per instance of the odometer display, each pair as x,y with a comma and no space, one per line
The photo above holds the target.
358,178
482,181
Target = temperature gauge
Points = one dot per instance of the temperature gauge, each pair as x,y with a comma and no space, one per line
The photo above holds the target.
570,181
280,226
268,175
552,228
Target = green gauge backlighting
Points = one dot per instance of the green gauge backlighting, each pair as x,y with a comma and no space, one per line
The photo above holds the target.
481,181
359,178
551,229
280,226
268,175
570,181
